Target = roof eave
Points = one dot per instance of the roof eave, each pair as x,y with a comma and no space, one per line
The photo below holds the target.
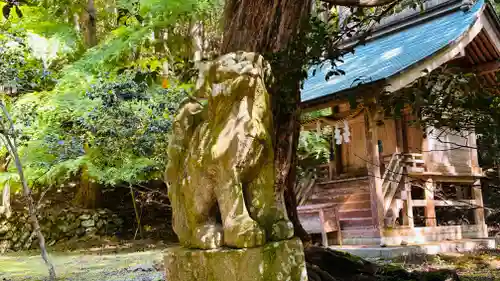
411,20
360,91
415,71
421,68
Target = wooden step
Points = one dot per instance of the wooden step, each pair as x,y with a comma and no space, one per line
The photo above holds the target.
335,197
416,170
354,206
353,232
355,222
348,206
357,213
343,189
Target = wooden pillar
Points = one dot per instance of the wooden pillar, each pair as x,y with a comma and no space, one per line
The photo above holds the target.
460,192
375,178
428,147
398,126
336,149
333,155
474,161
401,126
404,132
479,209
335,162
331,170
430,209
324,235
338,159
408,206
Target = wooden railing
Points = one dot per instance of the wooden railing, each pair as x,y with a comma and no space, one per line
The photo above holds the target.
393,169
304,187
390,182
324,172
414,162
321,219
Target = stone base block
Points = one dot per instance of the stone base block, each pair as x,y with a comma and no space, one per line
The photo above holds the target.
276,261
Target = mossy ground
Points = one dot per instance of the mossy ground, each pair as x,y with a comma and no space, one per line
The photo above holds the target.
479,266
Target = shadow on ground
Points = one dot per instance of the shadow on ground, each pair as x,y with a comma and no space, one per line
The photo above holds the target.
137,261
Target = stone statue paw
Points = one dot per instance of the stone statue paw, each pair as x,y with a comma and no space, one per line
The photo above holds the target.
245,233
282,229
207,237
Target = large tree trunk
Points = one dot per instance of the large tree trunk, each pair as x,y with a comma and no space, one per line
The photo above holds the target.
272,28
269,27
89,24
88,190
88,193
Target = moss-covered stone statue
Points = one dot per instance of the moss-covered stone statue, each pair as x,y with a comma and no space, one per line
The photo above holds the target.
221,160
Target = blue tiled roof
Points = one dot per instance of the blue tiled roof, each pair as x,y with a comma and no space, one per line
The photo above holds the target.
389,55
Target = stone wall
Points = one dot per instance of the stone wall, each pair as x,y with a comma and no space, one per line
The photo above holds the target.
57,226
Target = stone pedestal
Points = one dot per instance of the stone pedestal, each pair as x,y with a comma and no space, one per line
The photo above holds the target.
276,261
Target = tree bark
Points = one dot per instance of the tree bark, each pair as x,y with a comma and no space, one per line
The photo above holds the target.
89,24
196,33
159,45
272,28
5,208
32,212
88,190
269,27
88,193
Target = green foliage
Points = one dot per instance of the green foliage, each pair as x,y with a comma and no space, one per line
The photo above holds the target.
315,114
20,71
118,128
101,108
313,149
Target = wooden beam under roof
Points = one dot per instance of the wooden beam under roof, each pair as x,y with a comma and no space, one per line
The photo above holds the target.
361,93
486,67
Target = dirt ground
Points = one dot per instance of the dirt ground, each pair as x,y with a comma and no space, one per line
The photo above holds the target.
136,266
483,265
142,262
123,261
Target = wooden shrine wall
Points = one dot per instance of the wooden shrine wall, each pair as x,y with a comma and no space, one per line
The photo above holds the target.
442,152
354,158
354,152
448,153
414,135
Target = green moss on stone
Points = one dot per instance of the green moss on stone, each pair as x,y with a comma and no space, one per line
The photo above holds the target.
277,261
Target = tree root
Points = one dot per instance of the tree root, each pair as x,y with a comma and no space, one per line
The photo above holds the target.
324,264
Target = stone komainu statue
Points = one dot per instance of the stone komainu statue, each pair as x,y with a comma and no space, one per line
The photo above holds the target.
221,160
